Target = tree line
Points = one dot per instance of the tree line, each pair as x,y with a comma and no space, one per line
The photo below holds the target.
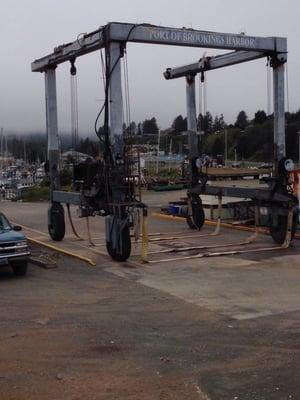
251,139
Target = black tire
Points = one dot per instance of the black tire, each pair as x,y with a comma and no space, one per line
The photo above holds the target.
198,217
56,227
278,233
126,247
20,268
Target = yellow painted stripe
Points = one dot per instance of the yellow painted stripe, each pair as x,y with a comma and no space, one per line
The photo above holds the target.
30,229
213,223
66,252
168,217
209,223
55,248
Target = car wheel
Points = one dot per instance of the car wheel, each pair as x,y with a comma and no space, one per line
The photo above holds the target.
20,268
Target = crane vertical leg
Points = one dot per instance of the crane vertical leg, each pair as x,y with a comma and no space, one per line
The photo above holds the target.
191,116
195,218
116,100
192,126
56,220
52,129
279,113
118,242
280,214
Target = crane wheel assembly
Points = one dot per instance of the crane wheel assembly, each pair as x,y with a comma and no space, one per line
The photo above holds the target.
196,217
56,218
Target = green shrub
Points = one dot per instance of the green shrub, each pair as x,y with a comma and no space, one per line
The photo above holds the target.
66,177
35,193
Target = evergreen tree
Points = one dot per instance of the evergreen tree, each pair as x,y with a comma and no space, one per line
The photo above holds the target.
179,124
241,120
150,126
200,122
222,122
131,129
260,117
207,123
219,123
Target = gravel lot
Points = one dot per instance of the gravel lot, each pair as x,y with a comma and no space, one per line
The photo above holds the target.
78,332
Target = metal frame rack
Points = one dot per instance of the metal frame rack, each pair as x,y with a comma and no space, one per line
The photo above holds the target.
108,194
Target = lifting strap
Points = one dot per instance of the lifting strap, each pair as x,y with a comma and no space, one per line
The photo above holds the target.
89,232
71,222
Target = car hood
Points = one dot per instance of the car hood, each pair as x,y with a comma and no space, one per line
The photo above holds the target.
11,236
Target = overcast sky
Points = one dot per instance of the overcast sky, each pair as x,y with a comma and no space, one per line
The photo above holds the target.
32,28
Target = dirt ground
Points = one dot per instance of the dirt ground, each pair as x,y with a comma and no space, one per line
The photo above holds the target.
78,332
224,328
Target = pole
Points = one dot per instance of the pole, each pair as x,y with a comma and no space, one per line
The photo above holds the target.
268,89
24,151
170,154
226,147
158,144
6,147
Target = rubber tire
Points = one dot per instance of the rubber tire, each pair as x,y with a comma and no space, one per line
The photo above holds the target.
57,229
126,247
278,233
198,217
20,268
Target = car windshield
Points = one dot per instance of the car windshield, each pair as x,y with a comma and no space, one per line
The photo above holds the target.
4,224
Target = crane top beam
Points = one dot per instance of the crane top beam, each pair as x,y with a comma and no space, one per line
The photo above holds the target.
146,33
211,63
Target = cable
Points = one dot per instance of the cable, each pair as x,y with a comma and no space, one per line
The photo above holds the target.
287,89
200,104
205,96
125,106
101,110
89,232
128,93
74,111
71,222
109,74
127,153
268,87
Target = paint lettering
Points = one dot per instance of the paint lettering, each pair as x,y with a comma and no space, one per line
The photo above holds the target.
202,38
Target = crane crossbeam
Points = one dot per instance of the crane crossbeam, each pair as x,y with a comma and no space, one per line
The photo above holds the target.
146,33
210,63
